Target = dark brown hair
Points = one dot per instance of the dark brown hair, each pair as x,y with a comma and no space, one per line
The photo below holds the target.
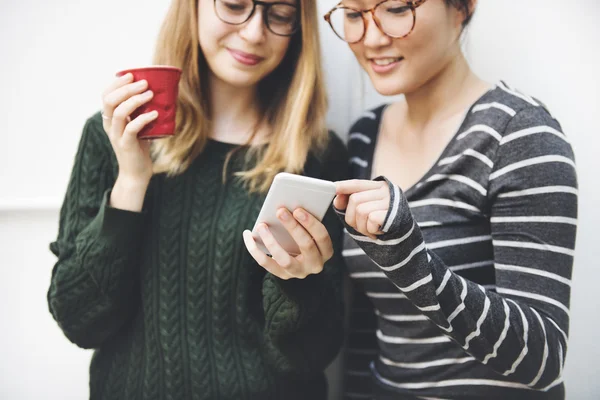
465,7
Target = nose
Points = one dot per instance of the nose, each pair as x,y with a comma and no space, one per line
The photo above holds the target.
374,37
254,29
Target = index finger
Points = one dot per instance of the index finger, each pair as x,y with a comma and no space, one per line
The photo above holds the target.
355,185
314,230
117,83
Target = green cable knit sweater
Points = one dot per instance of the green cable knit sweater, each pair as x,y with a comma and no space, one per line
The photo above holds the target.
170,299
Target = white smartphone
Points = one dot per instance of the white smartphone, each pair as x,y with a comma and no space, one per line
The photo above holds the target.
292,191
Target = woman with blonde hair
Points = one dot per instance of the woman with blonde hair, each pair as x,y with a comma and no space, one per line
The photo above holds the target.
156,268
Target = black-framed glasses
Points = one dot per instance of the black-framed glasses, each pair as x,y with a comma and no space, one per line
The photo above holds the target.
280,18
395,18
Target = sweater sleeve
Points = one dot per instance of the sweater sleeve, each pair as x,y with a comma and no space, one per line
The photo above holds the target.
91,291
304,317
520,331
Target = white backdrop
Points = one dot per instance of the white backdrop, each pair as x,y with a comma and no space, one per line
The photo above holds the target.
57,56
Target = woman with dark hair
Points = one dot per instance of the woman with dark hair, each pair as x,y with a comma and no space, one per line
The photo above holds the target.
461,218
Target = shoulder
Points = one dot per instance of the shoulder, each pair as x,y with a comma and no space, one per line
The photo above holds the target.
503,107
530,144
514,121
531,124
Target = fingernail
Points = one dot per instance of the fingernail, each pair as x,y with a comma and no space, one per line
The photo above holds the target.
147,94
262,229
127,76
154,114
302,215
142,83
284,216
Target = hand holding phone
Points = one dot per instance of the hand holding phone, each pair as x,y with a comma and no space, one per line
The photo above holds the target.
292,192
288,238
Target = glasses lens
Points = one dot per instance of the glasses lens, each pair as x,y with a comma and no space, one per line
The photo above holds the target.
283,19
233,11
348,24
395,17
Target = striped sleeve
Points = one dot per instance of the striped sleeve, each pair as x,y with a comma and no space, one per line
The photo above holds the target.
521,330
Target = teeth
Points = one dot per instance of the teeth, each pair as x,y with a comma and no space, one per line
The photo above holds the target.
385,61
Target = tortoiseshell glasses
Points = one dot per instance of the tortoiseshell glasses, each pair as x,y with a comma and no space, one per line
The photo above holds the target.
395,18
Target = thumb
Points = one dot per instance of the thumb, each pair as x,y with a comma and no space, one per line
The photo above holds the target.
341,201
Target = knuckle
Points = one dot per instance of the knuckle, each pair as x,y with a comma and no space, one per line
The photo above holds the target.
322,238
140,99
120,114
128,131
132,126
351,200
106,96
308,244
361,211
106,101
262,261
285,262
268,240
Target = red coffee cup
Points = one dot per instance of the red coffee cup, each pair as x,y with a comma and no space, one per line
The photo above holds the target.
163,80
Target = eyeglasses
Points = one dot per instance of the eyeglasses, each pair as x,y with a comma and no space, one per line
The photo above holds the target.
395,18
280,18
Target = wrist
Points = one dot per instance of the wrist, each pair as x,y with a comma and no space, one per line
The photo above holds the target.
129,193
132,182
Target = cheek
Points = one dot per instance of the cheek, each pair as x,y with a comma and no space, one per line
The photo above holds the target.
279,49
432,38
358,51
211,31
428,50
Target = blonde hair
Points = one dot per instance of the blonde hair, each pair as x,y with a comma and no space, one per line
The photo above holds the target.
293,99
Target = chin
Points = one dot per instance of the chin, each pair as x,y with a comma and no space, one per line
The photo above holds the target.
388,86
240,79
393,84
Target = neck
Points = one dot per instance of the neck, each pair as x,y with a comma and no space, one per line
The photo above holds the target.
235,111
452,90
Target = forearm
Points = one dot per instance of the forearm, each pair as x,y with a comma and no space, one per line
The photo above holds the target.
91,291
303,321
515,337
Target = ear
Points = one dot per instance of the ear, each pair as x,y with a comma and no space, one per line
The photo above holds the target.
472,5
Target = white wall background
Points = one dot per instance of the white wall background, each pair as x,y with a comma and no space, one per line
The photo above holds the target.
57,56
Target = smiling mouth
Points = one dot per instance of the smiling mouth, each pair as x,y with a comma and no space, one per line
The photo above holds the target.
245,58
382,62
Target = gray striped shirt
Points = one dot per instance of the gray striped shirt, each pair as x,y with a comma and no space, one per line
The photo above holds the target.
466,294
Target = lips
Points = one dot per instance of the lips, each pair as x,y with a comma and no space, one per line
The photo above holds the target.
245,58
383,65
386,61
